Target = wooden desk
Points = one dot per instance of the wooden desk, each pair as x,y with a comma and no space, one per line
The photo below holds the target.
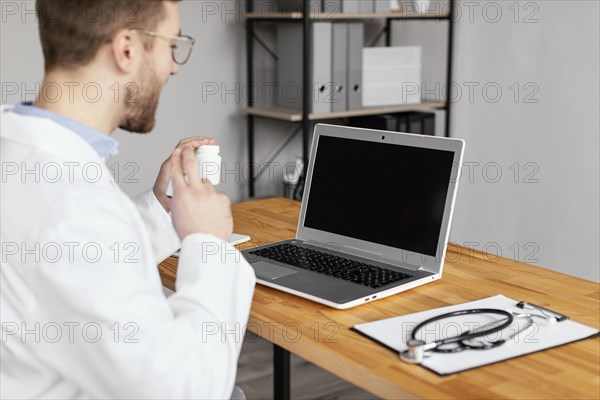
322,335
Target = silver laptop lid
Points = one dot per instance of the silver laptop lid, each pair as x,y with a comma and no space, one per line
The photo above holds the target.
382,195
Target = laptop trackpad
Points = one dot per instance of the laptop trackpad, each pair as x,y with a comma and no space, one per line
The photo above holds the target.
270,271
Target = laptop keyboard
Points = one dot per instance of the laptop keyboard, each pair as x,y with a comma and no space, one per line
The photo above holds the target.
332,265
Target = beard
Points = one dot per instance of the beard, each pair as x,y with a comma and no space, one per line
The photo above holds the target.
141,102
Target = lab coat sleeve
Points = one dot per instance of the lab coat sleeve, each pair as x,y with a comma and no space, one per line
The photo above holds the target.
159,225
127,339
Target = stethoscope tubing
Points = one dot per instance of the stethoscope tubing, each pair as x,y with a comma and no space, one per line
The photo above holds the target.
465,335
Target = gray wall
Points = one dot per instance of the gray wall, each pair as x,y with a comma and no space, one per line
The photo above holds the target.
542,209
548,213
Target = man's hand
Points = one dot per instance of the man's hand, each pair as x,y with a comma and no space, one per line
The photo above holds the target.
196,207
160,187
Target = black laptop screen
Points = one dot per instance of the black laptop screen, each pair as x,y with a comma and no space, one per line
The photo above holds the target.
383,193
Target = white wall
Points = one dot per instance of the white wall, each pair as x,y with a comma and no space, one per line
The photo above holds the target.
556,211
526,101
557,217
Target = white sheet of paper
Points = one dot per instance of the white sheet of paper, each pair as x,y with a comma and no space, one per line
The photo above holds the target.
237,238
394,332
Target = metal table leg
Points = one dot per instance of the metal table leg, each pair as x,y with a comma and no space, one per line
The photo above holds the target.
281,373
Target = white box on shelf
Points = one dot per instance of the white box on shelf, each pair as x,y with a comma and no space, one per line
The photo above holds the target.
391,75
401,56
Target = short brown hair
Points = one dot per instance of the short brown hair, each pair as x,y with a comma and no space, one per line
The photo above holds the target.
72,31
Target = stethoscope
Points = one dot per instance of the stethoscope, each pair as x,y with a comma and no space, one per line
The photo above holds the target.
417,349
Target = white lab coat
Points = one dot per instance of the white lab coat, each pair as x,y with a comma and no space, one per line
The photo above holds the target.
82,309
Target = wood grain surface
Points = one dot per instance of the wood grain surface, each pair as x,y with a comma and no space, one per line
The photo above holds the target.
322,335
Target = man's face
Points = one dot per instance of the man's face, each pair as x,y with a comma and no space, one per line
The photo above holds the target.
142,98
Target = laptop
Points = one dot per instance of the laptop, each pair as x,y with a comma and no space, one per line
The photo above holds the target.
374,221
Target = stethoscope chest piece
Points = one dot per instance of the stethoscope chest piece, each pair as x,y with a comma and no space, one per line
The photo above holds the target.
415,352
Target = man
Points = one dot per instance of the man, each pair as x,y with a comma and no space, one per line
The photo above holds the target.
82,308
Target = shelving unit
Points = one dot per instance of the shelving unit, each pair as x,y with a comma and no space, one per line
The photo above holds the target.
304,117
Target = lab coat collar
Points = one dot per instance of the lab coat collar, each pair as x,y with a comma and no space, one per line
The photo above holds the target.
104,145
46,135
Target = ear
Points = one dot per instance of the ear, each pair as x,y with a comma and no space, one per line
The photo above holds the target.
125,49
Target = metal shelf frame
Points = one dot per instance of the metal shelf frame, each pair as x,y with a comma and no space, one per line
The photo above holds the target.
306,19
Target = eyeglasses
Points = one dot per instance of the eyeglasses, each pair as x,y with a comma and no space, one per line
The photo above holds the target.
181,46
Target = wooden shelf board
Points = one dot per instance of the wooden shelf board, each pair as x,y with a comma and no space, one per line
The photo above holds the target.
337,16
283,114
272,15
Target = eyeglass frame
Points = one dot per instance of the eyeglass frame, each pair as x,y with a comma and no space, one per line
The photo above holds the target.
185,38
